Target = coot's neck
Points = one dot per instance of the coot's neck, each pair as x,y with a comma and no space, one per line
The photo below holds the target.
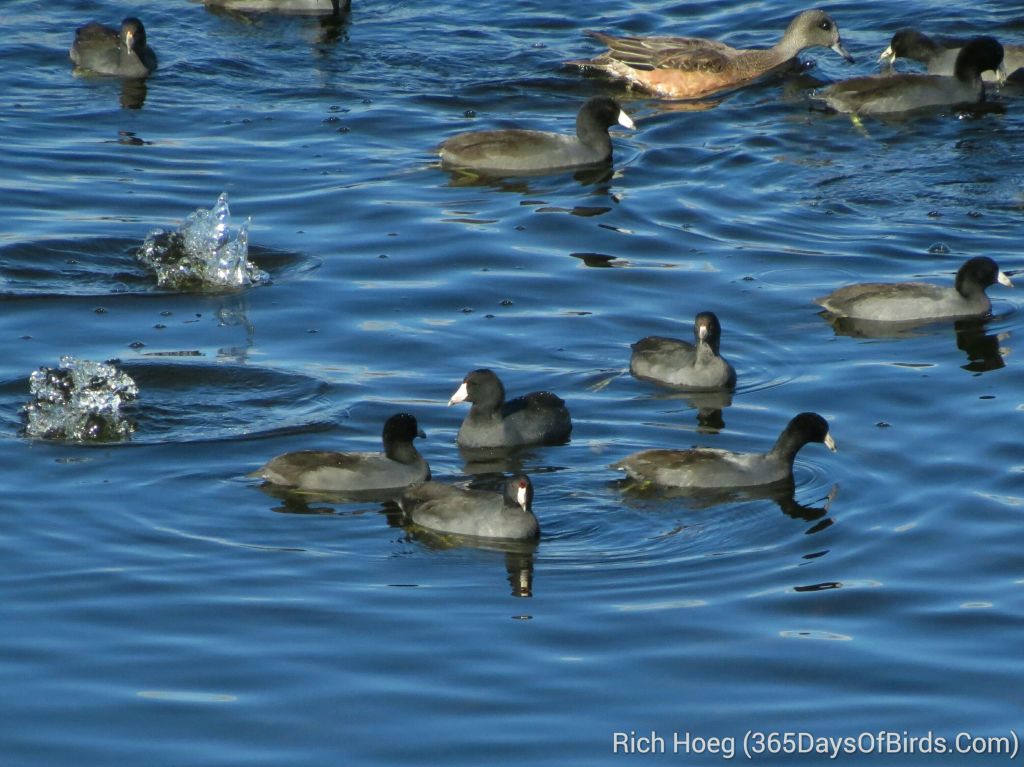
403,451
592,134
969,289
488,404
787,446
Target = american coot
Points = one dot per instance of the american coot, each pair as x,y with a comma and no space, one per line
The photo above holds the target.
532,151
714,468
448,509
881,94
533,419
689,67
939,54
322,471
919,301
301,7
108,51
671,362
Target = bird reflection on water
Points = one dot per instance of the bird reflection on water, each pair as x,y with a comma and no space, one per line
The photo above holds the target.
984,350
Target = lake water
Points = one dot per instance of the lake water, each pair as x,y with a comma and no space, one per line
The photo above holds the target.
161,609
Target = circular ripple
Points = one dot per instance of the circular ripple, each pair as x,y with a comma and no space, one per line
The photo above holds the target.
99,267
185,402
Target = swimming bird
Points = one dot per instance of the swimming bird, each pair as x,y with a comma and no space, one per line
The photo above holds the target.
455,510
298,7
532,419
324,471
107,51
706,467
919,301
939,54
690,67
532,151
881,94
676,363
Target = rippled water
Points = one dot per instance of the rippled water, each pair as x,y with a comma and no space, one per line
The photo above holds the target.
162,609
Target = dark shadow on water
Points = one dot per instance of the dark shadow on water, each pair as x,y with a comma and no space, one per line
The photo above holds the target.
518,181
598,260
487,467
518,555
708,404
133,93
302,501
983,349
782,493
855,328
132,89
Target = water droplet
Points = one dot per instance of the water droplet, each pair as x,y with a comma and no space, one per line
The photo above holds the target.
206,251
79,400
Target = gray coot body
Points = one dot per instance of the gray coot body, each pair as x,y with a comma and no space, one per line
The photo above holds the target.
298,7
533,419
882,94
939,54
919,301
530,150
329,472
692,67
108,51
714,468
478,513
676,363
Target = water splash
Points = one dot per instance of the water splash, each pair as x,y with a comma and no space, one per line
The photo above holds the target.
80,401
205,253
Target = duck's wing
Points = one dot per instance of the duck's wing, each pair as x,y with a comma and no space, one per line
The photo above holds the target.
96,47
688,54
897,93
649,463
846,299
448,508
538,400
298,469
656,345
513,149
